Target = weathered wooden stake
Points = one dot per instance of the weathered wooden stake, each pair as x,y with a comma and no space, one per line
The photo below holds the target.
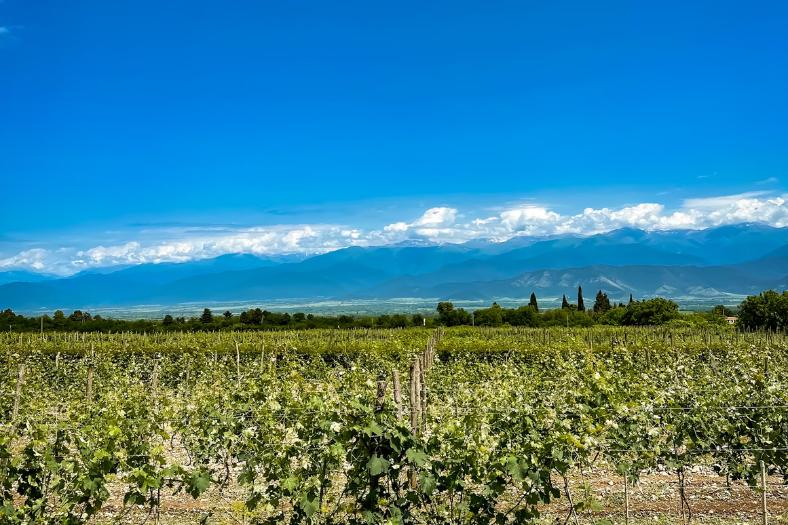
626,500
423,399
237,365
380,398
397,393
155,377
415,401
20,379
91,371
764,512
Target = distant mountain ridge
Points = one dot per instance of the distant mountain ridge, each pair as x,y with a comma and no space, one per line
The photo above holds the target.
738,259
14,276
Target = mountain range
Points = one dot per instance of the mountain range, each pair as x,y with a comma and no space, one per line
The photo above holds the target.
717,263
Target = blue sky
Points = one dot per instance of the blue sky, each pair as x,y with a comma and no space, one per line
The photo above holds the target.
134,126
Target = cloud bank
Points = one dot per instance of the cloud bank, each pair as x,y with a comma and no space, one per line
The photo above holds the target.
437,225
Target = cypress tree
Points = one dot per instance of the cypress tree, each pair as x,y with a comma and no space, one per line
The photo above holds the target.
631,300
564,302
581,307
602,302
532,303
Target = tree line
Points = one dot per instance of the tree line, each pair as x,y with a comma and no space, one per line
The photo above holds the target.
766,311
654,311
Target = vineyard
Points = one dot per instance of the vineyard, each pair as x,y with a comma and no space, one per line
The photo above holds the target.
460,425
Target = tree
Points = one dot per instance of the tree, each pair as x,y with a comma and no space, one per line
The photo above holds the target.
523,316
565,317
449,316
206,317
651,312
445,313
581,307
492,316
532,303
228,314
445,307
564,303
631,300
398,321
168,320
602,303
252,316
722,310
766,311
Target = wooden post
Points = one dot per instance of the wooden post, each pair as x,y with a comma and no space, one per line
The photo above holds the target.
237,365
423,398
626,500
397,394
20,379
764,512
380,398
414,411
415,401
91,371
155,377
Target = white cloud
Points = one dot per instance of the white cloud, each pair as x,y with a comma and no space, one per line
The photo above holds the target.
259,240
34,259
440,224
524,219
437,217
431,219
721,201
397,227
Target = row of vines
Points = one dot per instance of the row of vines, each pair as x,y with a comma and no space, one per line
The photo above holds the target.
313,426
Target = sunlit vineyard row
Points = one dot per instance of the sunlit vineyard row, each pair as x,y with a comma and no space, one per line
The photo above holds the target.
462,425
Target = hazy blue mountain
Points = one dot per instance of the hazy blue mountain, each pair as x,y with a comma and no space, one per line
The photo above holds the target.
14,276
770,271
614,249
732,259
334,274
772,265
731,244
170,271
617,281
130,285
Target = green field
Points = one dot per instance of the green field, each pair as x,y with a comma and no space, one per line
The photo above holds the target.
489,425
